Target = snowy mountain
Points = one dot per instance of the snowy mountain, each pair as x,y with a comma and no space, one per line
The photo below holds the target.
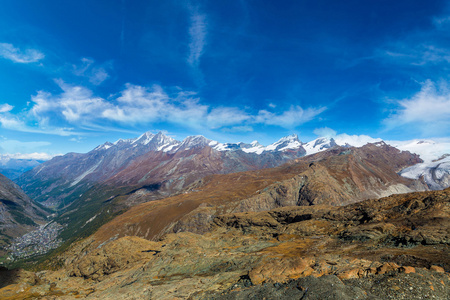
428,150
287,143
153,160
435,173
435,169
158,159
320,144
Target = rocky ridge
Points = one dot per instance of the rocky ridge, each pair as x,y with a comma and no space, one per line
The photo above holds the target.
390,248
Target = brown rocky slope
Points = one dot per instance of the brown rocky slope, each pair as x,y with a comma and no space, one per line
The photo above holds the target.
395,247
335,177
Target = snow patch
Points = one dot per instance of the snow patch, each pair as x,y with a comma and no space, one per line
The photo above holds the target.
90,220
79,178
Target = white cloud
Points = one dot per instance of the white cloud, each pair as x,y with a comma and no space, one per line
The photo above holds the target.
197,33
34,156
355,140
139,105
418,55
419,47
95,74
73,104
23,149
98,75
225,116
343,138
325,132
427,111
291,118
5,108
8,51
19,122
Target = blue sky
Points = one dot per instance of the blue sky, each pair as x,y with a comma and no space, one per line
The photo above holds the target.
74,74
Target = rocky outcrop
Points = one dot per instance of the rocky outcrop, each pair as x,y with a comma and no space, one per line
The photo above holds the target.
395,247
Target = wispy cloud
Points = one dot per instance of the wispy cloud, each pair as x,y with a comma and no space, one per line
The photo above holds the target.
343,138
16,123
441,22
225,116
419,54
197,33
291,118
33,156
238,129
74,104
22,149
5,108
428,111
420,47
96,74
78,107
325,132
17,55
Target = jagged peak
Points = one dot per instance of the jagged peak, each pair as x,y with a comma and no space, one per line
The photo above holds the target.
319,144
144,138
104,146
380,144
285,143
255,143
194,141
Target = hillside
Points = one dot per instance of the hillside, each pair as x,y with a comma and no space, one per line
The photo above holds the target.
395,247
18,213
337,177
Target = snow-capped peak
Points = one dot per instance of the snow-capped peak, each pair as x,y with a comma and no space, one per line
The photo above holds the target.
253,147
144,139
164,143
285,143
319,144
104,146
123,141
195,141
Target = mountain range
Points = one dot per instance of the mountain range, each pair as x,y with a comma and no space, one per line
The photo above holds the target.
117,206
166,166
113,177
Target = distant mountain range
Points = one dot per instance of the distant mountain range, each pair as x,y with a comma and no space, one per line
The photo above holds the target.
166,165
156,161
13,167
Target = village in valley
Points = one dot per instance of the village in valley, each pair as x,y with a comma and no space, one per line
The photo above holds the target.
36,242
